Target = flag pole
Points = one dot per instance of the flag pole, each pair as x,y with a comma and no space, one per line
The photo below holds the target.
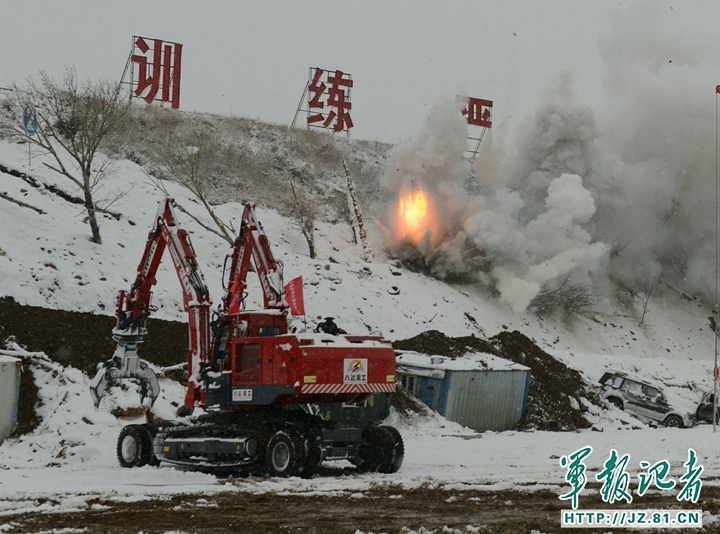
715,366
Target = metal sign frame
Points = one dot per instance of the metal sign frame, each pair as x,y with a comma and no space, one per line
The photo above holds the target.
166,60
342,87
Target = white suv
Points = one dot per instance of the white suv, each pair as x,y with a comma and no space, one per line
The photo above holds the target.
644,400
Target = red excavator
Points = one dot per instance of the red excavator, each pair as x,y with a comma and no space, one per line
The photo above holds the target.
270,400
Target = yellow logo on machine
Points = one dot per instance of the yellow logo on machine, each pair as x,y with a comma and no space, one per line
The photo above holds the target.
355,371
310,379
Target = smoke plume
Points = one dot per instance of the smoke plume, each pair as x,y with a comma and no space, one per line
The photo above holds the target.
621,191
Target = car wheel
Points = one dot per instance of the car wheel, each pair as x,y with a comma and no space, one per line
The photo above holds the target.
674,421
615,402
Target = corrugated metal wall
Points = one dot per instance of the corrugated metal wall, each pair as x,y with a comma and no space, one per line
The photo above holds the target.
9,394
485,400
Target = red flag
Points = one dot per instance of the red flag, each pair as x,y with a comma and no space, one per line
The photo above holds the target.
717,89
294,296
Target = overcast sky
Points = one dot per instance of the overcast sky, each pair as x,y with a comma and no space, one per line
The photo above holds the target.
251,58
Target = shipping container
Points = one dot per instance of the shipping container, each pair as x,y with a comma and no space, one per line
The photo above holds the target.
480,391
9,394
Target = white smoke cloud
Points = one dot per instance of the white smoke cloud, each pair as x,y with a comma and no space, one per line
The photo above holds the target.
654,172
526,254
635,174
549,248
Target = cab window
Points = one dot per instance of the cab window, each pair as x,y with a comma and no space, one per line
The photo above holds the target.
269,331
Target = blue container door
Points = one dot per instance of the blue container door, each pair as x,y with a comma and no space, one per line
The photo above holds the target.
429,391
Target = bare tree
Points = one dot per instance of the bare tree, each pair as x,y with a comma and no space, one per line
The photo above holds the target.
305,212
191,163
71,120
570,299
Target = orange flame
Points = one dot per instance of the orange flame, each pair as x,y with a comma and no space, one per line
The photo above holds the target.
415,216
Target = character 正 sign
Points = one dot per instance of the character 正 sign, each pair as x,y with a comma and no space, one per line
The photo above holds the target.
479,112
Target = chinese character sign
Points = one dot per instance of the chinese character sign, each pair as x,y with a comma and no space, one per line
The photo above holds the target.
479,112
616,481
328,96
156,70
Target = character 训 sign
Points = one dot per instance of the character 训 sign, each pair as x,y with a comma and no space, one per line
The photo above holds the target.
158,67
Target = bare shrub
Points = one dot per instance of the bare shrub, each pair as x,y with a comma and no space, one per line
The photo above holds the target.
569,300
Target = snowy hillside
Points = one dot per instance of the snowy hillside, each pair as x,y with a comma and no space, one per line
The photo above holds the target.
48,260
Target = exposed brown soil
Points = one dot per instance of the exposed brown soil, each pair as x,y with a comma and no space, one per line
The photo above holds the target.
552,384
80,340
386,509
83,340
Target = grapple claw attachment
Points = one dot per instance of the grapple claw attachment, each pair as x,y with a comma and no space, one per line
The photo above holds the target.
126,364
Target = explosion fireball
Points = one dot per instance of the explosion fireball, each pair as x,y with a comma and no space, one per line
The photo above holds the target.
415,217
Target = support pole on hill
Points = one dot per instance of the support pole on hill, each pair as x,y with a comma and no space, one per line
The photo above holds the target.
715,310
357,216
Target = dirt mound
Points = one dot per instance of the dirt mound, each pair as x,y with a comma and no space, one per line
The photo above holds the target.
80,340
435,342
83,340
552,383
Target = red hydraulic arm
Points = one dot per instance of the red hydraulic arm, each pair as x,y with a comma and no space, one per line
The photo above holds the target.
134,307
253,242
164,234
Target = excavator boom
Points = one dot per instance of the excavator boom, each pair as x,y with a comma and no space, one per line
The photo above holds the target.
134,307
252,242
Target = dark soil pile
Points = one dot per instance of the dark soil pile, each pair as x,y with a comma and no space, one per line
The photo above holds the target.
83,340
405,404
552,383
80,340
435,342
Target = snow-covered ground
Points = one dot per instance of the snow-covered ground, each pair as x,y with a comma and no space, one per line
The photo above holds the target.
47,260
